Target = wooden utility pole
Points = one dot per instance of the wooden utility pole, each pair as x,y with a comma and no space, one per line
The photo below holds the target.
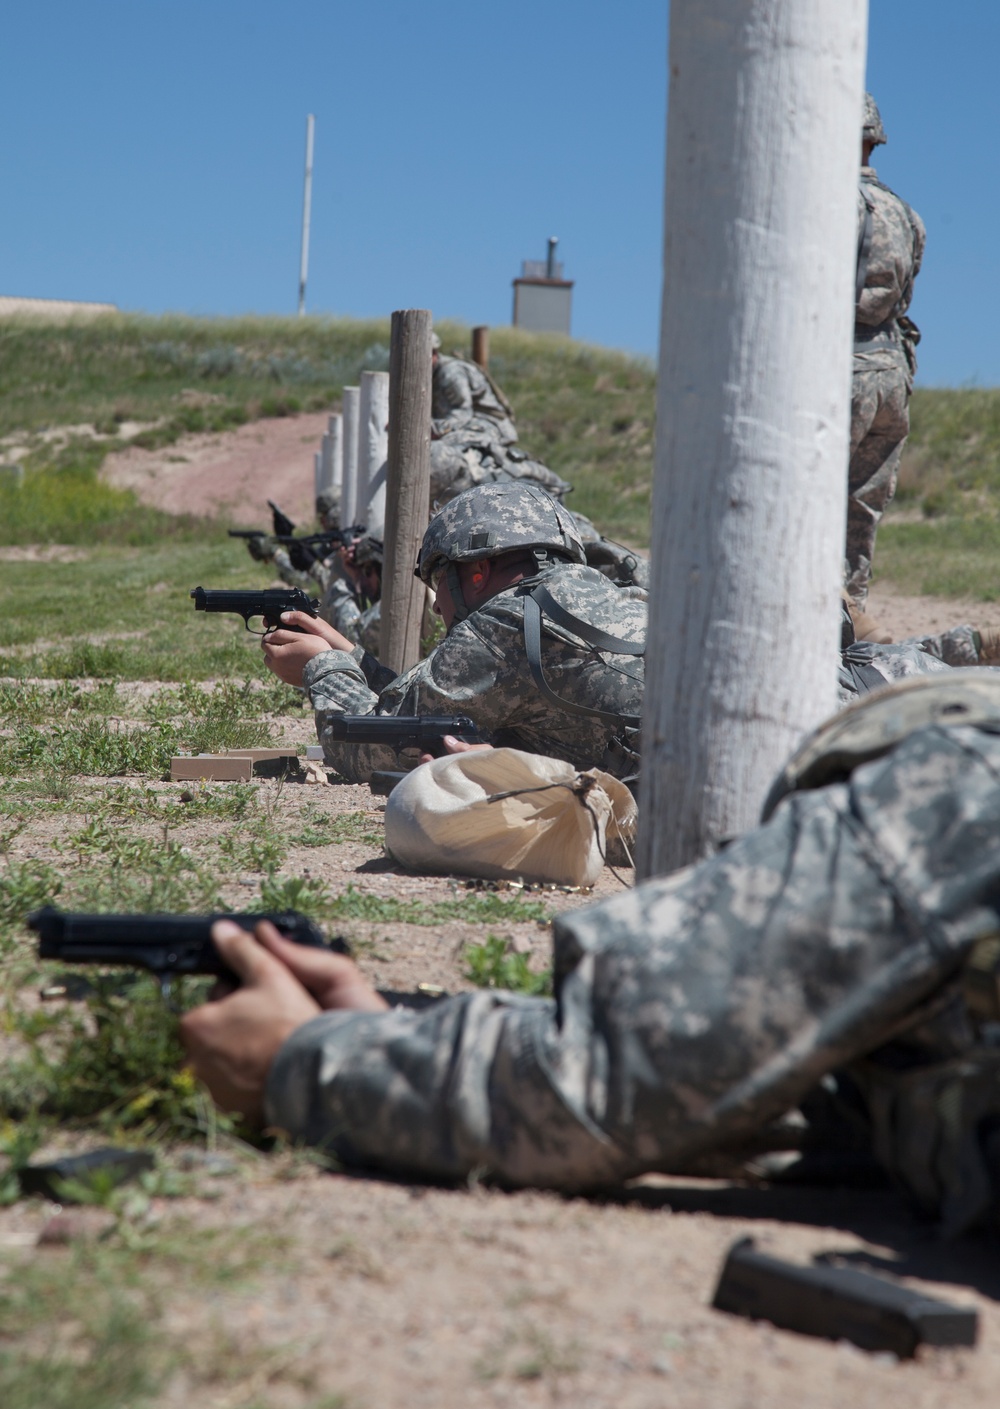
350,405
373,446
408,490
481,346
753,407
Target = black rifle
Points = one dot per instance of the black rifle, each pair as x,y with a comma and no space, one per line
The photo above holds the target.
172,946
268,602
402,731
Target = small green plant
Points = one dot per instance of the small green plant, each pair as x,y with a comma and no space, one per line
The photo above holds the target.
494,964
23,888
332,828
303,893
113,1059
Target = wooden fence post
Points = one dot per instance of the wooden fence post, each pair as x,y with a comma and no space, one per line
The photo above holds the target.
408,488
481,346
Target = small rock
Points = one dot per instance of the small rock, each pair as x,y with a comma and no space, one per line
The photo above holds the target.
79,1225
662,1365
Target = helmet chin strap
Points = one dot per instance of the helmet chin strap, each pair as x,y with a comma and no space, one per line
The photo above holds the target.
459,605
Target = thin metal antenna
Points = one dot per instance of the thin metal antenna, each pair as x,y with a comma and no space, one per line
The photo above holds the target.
306,213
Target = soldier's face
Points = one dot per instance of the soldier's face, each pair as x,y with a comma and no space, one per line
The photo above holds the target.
443,604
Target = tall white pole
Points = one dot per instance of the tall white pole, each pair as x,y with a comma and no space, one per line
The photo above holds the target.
373,450
753,410
335,436
306,213
349,493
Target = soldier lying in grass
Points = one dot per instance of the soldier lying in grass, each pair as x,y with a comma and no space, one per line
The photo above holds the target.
848,931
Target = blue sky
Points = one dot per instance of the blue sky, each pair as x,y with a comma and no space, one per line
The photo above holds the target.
151,155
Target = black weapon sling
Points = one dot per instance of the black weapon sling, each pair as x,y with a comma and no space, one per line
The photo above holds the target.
536,601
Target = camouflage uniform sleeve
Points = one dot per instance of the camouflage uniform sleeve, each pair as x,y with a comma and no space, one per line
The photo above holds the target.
341,610
460,676
690,1010
338,683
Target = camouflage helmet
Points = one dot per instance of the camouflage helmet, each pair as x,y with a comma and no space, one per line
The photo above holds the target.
368,550
436,341
877,722
871,123
492,519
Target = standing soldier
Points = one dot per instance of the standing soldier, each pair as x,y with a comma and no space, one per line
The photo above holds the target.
890,248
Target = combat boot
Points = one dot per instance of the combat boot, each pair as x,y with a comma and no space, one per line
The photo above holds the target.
866,628
989,645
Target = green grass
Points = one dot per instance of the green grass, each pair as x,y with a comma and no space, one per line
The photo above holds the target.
97,1327
495,964
951,463
586,411
126,614
941,557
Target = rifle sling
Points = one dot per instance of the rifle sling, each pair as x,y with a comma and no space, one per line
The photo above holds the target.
533,603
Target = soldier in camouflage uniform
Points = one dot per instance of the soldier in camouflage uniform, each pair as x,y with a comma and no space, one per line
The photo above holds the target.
695,1009
473,434
352,604
462,393
890,249
543,653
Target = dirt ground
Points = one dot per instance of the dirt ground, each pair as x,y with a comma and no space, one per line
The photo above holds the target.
231,473
390,1293
393,1294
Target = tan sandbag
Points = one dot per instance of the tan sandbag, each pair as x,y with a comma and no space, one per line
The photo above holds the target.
502,814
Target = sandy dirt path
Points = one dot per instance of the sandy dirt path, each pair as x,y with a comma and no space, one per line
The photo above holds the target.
231,473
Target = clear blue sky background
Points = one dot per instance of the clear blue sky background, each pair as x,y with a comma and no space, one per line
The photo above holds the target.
151,155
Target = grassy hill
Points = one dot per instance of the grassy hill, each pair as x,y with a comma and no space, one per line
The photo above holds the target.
585,411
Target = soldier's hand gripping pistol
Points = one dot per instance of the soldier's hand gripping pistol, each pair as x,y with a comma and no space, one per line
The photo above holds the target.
267,603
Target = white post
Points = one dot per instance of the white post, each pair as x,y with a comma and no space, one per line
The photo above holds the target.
334,439
753,408
349,494
373,449
328,466
306,213
319,470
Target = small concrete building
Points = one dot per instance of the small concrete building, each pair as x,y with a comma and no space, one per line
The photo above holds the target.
543,299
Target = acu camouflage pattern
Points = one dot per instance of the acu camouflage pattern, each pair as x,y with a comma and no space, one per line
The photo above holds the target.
473,455
481,670
462,392
871,122
690,1011
884,365
958,646
341,608
494,519
892,663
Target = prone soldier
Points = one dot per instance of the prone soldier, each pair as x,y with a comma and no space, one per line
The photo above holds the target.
855,928
542,652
